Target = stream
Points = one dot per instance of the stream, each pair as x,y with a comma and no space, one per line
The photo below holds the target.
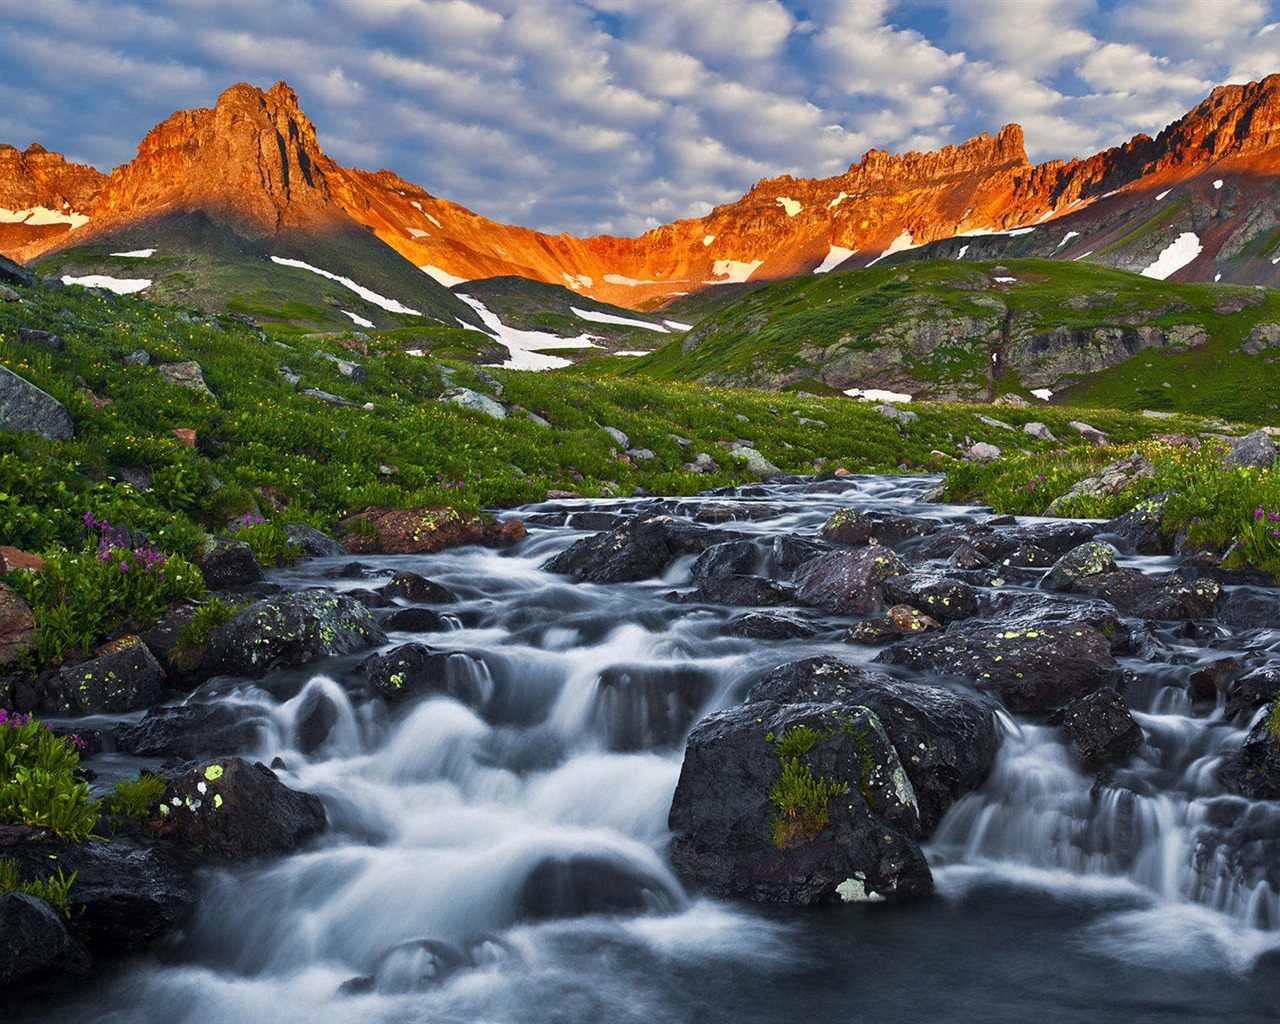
468,853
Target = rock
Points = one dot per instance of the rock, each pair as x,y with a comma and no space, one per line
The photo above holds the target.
475,401
16,273
1212,679
191,731
330,399
1090,434
947,739
8,294
622,440
234,809
185,375
755,462
636,549
849,582
982,452
125,894
416,620
1087,560
998,541
123,680
702,463
743,590
1253,691
903,416
874,632
227,563
1034,668
423,530
1109,480
906,619
730,558
1256,449
1017,401
940,596
1254,771
989,421
858,844
577,884
34,943
1165,596
314,721
414,670
41,339
1101,730
186,435
16,626
138,357
649,707
346,367
293,629
312,542
419,589
854,527
770,626
13,558
966,556
1038,431
1142,528
25,409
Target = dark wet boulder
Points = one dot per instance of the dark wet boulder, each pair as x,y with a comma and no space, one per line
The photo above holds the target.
124,680
1249,607
125,894
313,543
732,839
874,632
1252,691
771,626
233,809
1003,540
1254,770
855,527
412,671
293,629
412,587
646,707
966,556
1142,529
1165,596
1089,559
942,597
848,582
1213,678
1100,728
946,739
1036,668
740,591
588,883
788,552
637,549
191,731
35,945
182,664
416,620
314,721
371,599
227,564
730,558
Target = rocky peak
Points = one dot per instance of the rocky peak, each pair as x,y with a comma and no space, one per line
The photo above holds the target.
38,178
978,154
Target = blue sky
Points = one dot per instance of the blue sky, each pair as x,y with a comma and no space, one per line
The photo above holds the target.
614,116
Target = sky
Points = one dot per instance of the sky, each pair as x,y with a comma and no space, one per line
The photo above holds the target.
614,116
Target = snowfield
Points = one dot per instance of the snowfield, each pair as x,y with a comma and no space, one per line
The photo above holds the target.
524,346
876,395
39,215
609,318
734,271
359,320
381,301
119,285
140,254
835,256
1174,256
442,276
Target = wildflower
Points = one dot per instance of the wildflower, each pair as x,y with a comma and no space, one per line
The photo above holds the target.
1257,512
124,566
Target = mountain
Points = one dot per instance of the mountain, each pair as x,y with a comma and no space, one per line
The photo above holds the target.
42,196
1198,202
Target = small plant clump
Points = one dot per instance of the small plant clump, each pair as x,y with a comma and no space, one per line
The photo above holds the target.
1273,718
134,798
267,540
800,797
54,891
38,781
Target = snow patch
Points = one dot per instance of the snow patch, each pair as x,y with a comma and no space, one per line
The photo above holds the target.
792,206
1044,394
899,244
838,200
418,233
1174,256
676,325
119,285
1218,184
708,239
734,271
1067,237
629,281
1217,278
876,395
963,249
1018,231
631,352
140,254
442,276
577,283
609,318
433,220
1006,280
390,305
417,205
835,256
1082,256
1163,194
524,346
359,320
41,215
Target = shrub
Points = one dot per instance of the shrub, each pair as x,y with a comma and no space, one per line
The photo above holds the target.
38,784
134,798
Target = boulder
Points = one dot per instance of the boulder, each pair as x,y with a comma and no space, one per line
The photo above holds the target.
770,626
293,629
740,591
124,680
856,528
1252,691
591,883
346,367
16,625
1032,668
1087,560
186,374
190,731
138,357
621,439
34,943
25,409
729,558
941,597
1038,432
903,416
314,721
425,530
1100,728
982,452
416,620
1108,480
15,558
15,273
1164,596
1254,770
1091,434
41,339
1256,449
732,839
414,670
126,894
1212,678
234,809
1142,528
412,587
636,549
227,563
475,401
848,582
312,542
754,462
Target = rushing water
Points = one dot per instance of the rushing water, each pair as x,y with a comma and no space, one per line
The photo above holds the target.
1053,903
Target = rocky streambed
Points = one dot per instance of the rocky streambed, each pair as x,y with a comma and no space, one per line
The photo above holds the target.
815,744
